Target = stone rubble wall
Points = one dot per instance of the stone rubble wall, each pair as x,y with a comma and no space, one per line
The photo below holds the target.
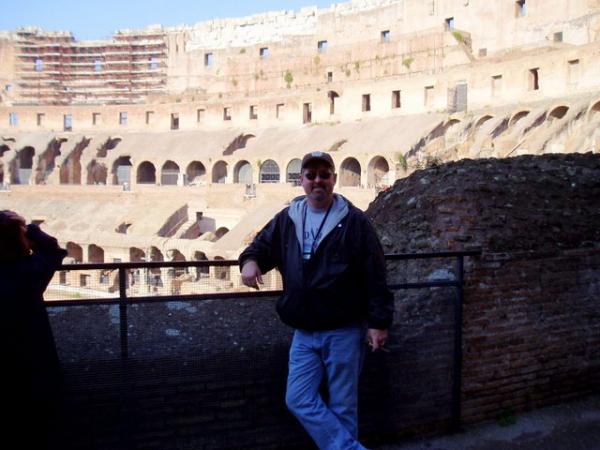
531,316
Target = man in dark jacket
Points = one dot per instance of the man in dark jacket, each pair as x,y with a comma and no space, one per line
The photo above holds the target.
335,292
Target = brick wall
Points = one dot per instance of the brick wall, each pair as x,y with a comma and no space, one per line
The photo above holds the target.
532,300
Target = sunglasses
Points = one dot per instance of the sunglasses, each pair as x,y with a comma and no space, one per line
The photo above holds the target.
323,175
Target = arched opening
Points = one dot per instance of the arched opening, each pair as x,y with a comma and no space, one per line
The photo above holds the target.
594,112
136,254
238,143
293,172
221,272
332,95
378,172
47,160
557,113
3,149
156,255
220,232
23,166
451,124
242,173
106,146
95,254
195,173
349,172
269,172
219,172
96,173
176,255
481,121
201,271
70,169
75,252
518,116
121,171
169,174
146,173
154,275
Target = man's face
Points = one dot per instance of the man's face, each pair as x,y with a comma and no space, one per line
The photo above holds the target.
318,180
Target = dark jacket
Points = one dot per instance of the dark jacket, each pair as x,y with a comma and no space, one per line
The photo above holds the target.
343,283
27,340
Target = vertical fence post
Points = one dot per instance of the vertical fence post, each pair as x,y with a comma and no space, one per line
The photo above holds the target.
123,313
457,382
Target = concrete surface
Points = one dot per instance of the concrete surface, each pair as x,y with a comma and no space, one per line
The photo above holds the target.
570,426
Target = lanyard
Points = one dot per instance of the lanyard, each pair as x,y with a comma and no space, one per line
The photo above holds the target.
315,241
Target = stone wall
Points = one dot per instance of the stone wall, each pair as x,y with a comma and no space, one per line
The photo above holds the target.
531,313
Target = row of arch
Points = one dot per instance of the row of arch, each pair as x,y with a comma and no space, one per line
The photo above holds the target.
350,172
556,113
96,254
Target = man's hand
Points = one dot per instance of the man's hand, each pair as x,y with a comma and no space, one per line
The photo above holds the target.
376,338
251,274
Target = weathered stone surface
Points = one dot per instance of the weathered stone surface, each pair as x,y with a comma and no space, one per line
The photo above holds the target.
528,203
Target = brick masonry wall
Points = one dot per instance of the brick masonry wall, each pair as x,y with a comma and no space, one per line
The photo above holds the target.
532,300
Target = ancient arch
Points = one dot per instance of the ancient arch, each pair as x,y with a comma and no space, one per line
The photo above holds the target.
332,95
481,121
349,172
47,160
238,143
451,123
175,255
136,254
156,255
292,173
146,173
22,166
70,169
378,172
221,272
593,111
169,174
516,117
96,173
269,172
557,113
195,173
219,172
155,273
121,170
109,144
220,232
75,251
201,271
242,172
95,254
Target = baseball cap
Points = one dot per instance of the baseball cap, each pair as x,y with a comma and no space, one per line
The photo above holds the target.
318,156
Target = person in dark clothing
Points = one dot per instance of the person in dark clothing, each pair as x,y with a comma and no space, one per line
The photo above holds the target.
334,294
28,260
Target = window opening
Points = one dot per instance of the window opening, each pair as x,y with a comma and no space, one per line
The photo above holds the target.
396,99
366,102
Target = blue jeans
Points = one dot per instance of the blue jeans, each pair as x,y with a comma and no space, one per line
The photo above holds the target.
336,355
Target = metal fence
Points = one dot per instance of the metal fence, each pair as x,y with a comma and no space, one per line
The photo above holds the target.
125,284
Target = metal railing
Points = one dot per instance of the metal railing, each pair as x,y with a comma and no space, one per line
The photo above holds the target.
124,300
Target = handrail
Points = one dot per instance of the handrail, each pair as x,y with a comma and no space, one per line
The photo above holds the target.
123,300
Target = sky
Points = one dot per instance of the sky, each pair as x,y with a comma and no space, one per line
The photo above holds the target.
88,19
